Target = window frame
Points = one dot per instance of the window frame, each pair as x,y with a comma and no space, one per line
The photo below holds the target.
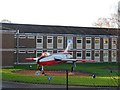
79,38
115,54
50,51
77,54
86,54
39,37
104,41
29,51
22,36
104,53
59,37
98,54
88,38
22,51
97,38
114,39
30,36
50,37
37,52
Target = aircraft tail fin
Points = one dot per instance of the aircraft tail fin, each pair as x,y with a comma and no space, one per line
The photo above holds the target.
69,42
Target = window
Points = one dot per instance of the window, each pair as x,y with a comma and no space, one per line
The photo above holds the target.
39,42
97,40
114,54
50,39
39,53
105,43
30,51
105,40
14,51
79,54
88,43
97,43
14,36
105,53
60,42
79,40
22,51
50,51
31,36
97,53
60,39
88,53
39,39
22,36
114,41
88,40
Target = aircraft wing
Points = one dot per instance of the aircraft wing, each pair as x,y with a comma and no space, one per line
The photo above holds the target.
79,60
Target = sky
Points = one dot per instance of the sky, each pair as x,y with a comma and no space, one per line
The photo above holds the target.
56,12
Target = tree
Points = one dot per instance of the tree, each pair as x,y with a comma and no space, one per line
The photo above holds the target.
5,21
112,22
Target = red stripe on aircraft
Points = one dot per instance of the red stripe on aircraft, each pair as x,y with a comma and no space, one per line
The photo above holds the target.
52,62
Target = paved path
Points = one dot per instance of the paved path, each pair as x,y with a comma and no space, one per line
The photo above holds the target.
18,85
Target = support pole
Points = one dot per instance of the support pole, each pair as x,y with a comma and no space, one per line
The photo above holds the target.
17,47
66,79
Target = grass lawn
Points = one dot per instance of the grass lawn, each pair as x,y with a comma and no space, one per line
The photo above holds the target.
102,70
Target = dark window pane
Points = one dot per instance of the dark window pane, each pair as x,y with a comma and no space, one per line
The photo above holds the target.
96,41
49,40
97,54
78,54
39,40
88,54
59,40
78,41
88,41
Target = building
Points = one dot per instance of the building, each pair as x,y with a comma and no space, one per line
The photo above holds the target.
6,47
99,44
119,29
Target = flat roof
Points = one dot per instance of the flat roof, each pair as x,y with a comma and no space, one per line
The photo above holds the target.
50,29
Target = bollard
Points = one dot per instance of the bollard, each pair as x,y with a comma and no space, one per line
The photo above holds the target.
94,76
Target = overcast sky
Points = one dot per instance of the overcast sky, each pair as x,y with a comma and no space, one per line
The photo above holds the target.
56,12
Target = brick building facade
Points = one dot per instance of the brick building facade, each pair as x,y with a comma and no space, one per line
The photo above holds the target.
99,44
7,47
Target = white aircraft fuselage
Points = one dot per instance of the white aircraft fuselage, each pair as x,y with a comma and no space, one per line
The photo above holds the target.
54,59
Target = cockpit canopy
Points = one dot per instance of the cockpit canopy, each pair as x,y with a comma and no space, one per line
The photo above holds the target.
45,54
